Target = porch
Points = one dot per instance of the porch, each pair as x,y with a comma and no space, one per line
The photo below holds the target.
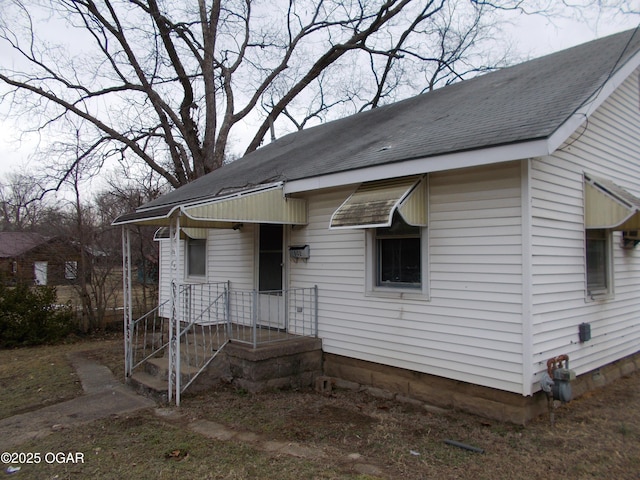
196,322
208,332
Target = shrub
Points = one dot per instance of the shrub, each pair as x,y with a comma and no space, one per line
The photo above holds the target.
30,316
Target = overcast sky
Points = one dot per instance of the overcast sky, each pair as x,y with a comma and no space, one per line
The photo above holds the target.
531,36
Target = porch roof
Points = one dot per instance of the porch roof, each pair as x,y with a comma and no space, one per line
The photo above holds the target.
263,204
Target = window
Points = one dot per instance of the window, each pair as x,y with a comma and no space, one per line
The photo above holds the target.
71,270
397,261
196,257
398,255
598,261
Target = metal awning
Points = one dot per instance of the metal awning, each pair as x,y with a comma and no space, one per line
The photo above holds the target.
608,205
187,232
374,203
262,204
268,205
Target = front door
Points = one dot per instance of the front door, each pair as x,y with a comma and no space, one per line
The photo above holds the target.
270,276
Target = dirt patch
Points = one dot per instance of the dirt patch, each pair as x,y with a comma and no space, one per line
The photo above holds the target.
355,436
593,436
327,422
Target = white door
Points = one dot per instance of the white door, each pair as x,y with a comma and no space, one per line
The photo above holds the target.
40,272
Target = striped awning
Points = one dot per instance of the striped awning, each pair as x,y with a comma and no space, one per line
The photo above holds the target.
610,206
374,203
257,204
268,205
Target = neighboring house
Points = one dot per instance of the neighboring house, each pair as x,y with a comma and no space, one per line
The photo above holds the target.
147,270
458,239
36,259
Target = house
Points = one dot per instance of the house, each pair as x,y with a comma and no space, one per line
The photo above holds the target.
459,240
36,259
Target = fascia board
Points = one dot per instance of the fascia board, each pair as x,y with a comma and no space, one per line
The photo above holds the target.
587,109
419,166
154,220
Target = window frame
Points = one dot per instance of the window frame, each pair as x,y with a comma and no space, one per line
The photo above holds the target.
187,257
606,291
375,288
71,269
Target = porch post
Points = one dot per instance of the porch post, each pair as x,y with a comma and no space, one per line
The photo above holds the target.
126,301
227,308
254,316
315,309
174,323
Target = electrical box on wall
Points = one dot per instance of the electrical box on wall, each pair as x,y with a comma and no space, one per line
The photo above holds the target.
300,252
584,332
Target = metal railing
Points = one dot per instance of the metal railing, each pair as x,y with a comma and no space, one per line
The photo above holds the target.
200,302
260,318
201,331
148,336
201,318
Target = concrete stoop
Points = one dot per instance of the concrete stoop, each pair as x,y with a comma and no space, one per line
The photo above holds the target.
293,363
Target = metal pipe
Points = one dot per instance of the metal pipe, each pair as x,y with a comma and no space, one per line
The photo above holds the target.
464,446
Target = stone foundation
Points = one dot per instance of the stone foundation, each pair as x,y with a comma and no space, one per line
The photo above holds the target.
409,386
290,364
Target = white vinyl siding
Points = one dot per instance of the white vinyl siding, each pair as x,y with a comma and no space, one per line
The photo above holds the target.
164,276
470,329
607,145
229,258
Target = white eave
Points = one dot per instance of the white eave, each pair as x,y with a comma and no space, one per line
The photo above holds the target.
418,166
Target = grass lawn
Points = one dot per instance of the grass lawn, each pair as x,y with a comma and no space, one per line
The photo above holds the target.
352,435
35,377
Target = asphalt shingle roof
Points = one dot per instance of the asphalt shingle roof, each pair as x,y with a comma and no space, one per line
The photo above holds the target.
14,244
525,102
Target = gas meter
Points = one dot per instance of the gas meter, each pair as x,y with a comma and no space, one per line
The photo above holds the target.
556,381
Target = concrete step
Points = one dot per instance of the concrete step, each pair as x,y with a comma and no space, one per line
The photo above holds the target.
152,379
290,364
149,386
192,356
159,368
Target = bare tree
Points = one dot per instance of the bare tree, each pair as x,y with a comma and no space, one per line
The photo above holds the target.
19,202
168,82
125,193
